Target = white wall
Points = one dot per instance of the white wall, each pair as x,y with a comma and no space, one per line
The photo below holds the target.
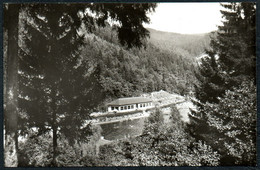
131,109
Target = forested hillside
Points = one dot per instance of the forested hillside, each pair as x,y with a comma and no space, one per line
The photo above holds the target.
187,45
130,72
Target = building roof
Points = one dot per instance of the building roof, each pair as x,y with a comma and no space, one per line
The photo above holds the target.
129,100
160,94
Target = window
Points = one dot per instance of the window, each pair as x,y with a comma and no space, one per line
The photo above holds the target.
125,108
116,108
132,106
128,107
141,105
112,108
121,108
136,105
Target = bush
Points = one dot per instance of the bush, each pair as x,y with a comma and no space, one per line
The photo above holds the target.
230,125
37,151
161,144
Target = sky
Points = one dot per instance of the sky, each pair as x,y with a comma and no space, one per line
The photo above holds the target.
186,18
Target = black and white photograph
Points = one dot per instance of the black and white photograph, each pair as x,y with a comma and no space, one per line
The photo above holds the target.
109,84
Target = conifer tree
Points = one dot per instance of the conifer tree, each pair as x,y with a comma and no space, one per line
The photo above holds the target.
232,57
11,103
231,62
57,86
236,43
211,81
230,126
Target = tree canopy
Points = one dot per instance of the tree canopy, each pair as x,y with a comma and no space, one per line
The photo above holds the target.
161,144
232,56
55,83
226,107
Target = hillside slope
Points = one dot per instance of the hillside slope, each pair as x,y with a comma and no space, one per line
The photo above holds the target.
187,45
122,72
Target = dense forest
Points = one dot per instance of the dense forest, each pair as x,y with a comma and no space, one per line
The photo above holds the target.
70,62
186,45
131,72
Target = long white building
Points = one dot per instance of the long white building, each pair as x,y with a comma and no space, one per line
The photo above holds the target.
129,104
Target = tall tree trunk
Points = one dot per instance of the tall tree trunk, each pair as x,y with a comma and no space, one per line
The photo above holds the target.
54,138
11,109
54,130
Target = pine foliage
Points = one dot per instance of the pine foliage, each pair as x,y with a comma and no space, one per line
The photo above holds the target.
230,126
226,106
232,56
58,87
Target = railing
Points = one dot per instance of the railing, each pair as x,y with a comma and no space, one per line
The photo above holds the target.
120,118
112,117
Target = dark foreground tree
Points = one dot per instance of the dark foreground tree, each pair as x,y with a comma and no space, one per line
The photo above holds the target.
212,82
11,103
231,62
58,87
236,43
232,57
231,125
